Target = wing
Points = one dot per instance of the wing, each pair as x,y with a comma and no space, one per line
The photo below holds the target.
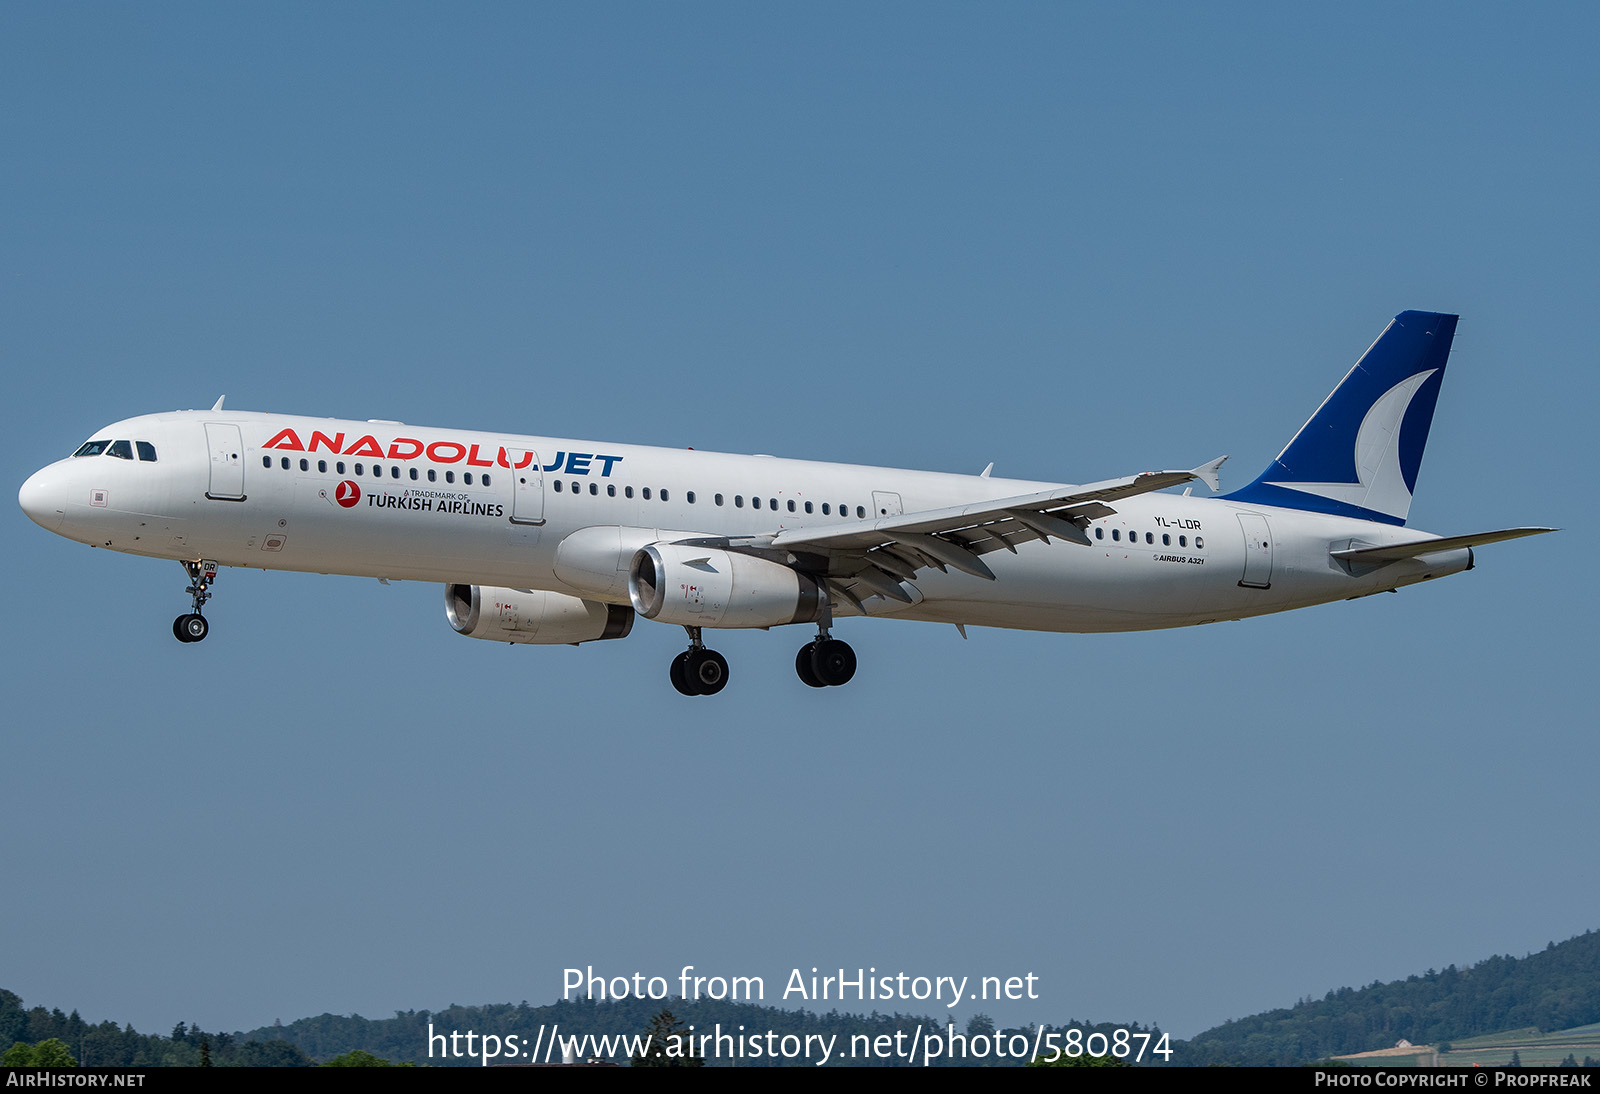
862,560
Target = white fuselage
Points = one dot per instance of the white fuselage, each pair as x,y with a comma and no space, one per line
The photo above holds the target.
387,500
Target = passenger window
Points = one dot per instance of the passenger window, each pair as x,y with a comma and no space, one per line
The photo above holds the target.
808,507
340,466
772,503
611,490
594,487
394,472
466,478
322,466
738,501
861,511
791,505
1150,537
1099,533
413,474
627,491
433,476
1116,534
305,465
1198,543
558,486
1183,541
1166,540
717,499
645,493
825,510
147,451
450,476
266,461
284,462
486,482
689,497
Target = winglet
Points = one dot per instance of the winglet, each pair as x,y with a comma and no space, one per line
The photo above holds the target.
985,472
1207,473
219,402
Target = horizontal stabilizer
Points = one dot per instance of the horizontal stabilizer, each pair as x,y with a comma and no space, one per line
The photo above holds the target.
1394,552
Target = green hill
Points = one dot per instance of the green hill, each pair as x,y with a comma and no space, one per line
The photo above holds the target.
1555,989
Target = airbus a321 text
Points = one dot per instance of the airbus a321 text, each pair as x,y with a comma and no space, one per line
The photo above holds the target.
546,540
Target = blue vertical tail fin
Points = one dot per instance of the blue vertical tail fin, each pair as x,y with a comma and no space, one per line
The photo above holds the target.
1360,452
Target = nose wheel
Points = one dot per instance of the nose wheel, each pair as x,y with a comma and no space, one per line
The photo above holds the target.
190,628
193,627
697,670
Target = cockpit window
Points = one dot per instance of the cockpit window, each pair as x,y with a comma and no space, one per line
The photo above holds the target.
93,448
147,451
122,450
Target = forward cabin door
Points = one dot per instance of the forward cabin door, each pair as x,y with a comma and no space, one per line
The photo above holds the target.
1257,551
227,462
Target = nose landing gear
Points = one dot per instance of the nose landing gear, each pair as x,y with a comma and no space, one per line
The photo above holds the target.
697,670
193,627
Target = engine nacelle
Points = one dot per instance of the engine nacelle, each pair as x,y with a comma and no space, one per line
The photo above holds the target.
532,616
704,587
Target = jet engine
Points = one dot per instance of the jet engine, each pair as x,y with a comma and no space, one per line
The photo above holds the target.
532,616
704,587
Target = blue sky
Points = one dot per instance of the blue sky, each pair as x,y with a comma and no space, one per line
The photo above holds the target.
1077,240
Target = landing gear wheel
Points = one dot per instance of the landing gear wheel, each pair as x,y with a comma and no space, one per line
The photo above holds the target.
193,627
680,675
833,661
803,666
707,671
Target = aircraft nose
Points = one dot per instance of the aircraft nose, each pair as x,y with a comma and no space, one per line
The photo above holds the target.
42,498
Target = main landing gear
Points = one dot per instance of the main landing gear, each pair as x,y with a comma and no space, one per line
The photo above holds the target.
697,670
193,627
826,662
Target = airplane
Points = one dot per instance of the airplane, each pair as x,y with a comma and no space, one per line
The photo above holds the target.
542,540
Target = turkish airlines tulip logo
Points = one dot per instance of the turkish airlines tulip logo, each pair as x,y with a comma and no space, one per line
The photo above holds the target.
347,494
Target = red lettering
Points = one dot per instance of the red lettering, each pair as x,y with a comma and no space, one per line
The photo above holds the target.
288,440
366,446
474,461
396,454
332,444
504,460
435,448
